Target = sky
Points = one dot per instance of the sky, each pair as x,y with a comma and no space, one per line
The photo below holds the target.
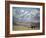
25,14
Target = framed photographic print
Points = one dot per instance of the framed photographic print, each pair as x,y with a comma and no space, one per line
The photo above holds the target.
24,18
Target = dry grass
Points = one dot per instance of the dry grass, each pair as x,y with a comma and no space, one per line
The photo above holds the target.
17,28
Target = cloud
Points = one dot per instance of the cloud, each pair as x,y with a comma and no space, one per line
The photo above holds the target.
26,15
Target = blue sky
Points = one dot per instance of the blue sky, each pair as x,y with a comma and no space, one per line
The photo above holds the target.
24,14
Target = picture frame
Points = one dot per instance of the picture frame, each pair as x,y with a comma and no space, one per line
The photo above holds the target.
11,6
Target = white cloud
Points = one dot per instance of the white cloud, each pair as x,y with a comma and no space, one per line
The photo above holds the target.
22,10
34,12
